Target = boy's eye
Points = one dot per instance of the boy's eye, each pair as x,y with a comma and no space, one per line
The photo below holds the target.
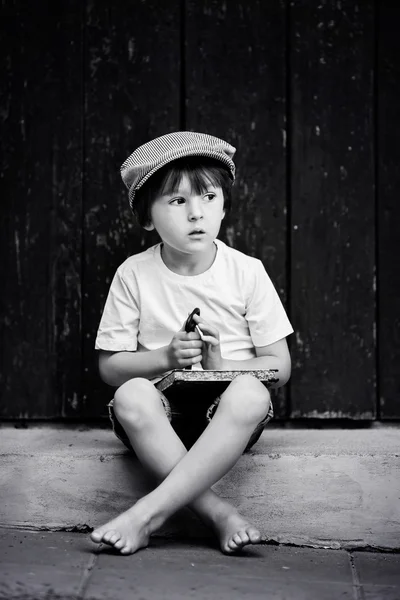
210,196
177,201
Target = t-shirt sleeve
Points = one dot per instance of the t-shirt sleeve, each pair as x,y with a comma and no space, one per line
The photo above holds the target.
119,324
265,314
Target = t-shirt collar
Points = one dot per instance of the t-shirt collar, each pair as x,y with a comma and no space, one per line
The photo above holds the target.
200,277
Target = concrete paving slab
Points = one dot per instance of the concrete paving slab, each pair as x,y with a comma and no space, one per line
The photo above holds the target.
380,592
314,487
378,569
36,565
180,571
378,575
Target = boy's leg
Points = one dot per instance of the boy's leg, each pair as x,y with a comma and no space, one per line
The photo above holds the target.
159,453
214,511
188,475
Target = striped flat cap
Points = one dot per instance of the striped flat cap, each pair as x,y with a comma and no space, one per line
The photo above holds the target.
153,155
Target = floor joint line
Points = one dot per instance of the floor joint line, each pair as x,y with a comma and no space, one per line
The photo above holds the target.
358,590
86,576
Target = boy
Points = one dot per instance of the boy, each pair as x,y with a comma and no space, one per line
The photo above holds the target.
180,185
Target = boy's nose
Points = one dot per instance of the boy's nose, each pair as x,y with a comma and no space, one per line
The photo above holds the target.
195,211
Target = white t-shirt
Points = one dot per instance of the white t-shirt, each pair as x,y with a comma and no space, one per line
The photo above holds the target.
147,304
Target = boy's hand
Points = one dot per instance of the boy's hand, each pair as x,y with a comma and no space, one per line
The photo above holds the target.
211,356
184,349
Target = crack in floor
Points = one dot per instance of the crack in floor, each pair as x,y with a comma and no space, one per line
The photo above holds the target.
294,541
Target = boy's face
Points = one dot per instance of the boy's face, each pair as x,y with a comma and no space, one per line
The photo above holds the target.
187,222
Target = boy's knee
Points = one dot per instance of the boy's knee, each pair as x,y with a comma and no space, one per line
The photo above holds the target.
247,398
136,400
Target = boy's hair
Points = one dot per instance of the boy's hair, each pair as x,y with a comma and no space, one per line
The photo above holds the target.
201,171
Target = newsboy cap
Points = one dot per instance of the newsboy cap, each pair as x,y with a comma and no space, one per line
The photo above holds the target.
153,155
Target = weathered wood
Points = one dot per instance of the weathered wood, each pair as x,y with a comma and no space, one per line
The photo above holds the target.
388,156
41,225
235,89
132,95
219,69
332,209
182,376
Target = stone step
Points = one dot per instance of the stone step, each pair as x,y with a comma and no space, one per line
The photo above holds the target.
333,488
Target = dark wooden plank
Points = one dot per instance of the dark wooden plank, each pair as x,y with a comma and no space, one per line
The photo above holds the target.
388,154
332,212
235,88
40,226
132,95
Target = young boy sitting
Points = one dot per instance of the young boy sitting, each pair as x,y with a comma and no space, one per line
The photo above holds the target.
180,185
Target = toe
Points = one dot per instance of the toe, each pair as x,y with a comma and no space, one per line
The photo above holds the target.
232,544
114,538
127,549
108,535
237,539
244,537
120,543
254,535
97,535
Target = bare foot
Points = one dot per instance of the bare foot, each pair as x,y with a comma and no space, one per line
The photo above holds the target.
234,532
127,533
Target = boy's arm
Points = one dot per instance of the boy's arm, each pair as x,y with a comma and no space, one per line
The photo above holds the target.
118,367
274,356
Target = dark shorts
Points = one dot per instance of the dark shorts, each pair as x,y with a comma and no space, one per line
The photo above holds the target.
188,425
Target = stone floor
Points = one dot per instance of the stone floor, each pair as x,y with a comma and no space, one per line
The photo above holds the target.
326,501
50,565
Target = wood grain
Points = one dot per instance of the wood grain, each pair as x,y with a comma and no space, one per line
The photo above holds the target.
41,162
332,210
388,190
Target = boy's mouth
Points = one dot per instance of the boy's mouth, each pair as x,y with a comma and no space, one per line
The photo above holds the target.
197,232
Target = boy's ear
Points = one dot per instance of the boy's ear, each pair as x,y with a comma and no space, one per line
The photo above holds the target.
149,227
